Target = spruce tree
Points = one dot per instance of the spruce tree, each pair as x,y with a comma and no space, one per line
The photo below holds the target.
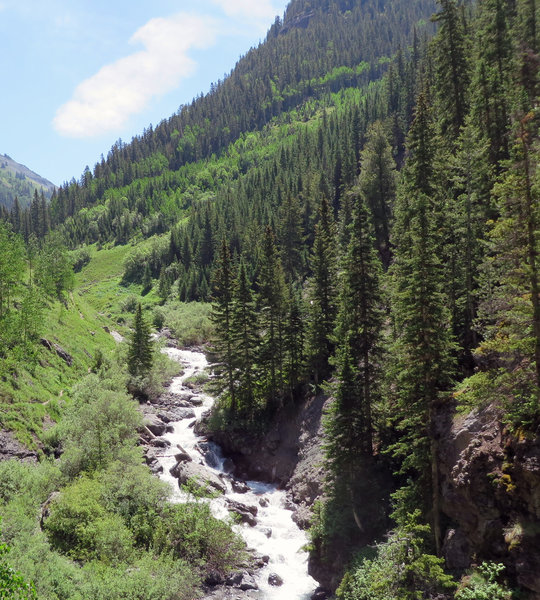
271,302
422,355
422,350
222,307
451,68
140,351
245,343
359,320
377,183
322,294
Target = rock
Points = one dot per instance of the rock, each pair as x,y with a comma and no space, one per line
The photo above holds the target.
160,442
263,502
46,507
456,550
155,466
12,448
165,417
267,532
240,487
302,517
248,582
214,578
234,578
275,580
178,414
261,561
155,425
320,594
65,356
196,401
182,456
198,474
247,513
490,484
210,454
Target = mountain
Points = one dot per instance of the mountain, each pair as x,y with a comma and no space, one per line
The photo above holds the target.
18,181
359,201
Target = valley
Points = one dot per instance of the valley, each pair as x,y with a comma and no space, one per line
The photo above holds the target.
286,343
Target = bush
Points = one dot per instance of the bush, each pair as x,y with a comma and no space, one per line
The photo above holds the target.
99,427
80,258
129,304
12,584
193,534
482,584
189,322
149,578
401,569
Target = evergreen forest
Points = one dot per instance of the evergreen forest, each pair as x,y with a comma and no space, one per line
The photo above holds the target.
351,214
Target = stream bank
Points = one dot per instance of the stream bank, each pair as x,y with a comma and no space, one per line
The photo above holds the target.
177,452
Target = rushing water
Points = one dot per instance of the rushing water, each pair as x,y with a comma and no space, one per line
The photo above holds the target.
275,535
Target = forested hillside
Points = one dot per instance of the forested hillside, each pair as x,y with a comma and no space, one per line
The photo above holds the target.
359,202
18,184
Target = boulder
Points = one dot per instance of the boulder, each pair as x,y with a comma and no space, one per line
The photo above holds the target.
65,356
182,455
247,513
240,487
155,425
248,582
198,474
160,442
275,580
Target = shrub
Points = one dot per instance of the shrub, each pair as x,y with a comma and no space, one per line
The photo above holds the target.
99,427
193,534
80,258
401,569
482,584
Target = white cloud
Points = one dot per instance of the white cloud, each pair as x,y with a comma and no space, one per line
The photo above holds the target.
250,9
105,101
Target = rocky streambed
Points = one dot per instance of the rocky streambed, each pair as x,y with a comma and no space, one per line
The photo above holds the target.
177,453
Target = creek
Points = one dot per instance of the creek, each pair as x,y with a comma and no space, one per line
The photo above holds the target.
275,535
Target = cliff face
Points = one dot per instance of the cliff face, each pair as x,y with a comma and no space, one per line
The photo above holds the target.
490,484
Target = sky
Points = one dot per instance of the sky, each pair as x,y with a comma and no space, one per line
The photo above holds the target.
77,75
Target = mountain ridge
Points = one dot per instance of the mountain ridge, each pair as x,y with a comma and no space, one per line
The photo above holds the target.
18,181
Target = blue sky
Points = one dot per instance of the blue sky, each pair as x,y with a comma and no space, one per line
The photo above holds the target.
80,74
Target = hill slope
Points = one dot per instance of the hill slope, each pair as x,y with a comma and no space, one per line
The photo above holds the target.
18,181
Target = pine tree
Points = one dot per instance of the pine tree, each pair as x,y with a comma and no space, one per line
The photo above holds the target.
322,294
509,311
492,86
422,351
344,426
451,68
245,343
422,355
140,351
377,183
271,301
291,239
359,320
222,307
146,279
294,340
